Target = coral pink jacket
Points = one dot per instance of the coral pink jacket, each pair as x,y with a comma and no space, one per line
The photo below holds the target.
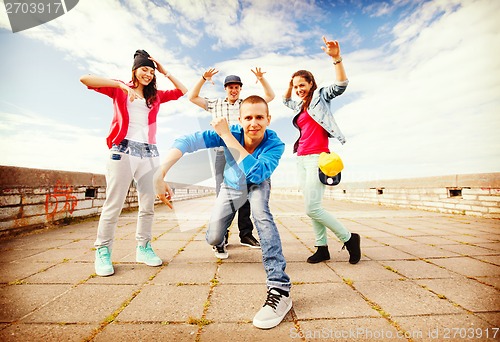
119,125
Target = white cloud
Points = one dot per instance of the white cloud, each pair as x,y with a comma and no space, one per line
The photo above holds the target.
39,142
433,104
266,25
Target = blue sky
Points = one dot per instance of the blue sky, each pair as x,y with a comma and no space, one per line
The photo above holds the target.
423,98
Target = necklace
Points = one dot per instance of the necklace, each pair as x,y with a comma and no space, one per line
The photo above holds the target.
138,95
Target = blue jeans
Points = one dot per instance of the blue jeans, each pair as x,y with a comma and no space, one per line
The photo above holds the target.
313,190
244,223
226,205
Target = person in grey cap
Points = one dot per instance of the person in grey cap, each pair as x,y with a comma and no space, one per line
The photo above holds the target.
133,154
229,108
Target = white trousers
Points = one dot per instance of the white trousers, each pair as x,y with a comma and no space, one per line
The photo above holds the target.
122,168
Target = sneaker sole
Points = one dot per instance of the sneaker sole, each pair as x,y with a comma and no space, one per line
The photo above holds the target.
271,323
317,262
150,264
222,257
248,245
105,274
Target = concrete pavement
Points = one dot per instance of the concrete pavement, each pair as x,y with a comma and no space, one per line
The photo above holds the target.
423,277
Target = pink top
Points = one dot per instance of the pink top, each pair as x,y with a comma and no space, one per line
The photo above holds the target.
119,125
313,138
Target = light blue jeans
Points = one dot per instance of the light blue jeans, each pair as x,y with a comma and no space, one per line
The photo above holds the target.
313,190
226,205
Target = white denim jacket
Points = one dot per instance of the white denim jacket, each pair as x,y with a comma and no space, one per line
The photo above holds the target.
319,109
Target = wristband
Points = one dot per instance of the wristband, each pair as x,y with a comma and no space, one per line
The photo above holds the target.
203,77
337,61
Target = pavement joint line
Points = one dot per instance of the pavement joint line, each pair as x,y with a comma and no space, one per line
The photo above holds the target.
43,305
214,282
23,280
296,324
295,236
165,232
111,318
296,321
441,296
375,306
425,287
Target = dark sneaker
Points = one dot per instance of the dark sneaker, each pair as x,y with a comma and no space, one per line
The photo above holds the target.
220,252
354,248
321,254
274,310
250,241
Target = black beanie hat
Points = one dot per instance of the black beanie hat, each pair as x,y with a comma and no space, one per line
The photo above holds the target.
141,59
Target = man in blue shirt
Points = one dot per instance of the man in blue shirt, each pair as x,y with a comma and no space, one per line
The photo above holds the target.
229,107
252,154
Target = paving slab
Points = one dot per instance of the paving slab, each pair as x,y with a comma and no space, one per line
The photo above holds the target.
386,253
468,293
422,250
83,304
125,274
14,255
469,266
236,303
218,332
461,327
363,271
347,329
148,332
402,297
185,273
420,273
17,301
14,272
303,273
295,250
47,332
63,273
418,269
339,300
493,281
166,303
242,273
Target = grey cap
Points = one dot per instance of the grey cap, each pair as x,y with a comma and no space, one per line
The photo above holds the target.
232,79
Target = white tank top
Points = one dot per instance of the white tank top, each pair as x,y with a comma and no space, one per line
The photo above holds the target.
138,121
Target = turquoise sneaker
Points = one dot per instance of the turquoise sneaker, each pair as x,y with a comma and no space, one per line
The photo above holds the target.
147,256
103,265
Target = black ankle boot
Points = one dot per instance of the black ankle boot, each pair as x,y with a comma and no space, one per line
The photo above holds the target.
321,254
354,248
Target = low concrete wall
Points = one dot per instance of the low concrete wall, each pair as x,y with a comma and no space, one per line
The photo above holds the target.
469,194
32,198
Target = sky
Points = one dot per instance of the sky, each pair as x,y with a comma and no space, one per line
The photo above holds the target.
423,97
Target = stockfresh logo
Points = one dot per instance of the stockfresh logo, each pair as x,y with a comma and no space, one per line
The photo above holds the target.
24,15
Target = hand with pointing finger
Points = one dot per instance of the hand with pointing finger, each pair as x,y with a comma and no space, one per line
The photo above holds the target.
331,48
